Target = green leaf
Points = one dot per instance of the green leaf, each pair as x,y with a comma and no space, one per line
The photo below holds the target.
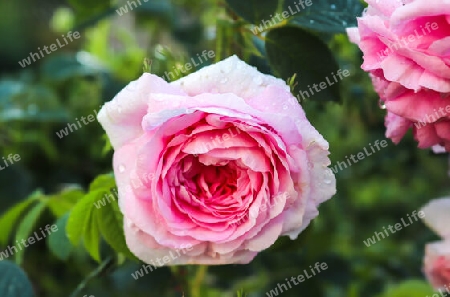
9,220
92,236
83,222
103,182
61,203
332,16
253,11
292,50
13,281
110,221
409,288
59,243
79,218
26,227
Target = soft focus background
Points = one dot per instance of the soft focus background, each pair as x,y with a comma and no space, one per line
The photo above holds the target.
41,99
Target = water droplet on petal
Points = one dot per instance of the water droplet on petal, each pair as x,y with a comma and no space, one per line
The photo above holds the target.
381,104
121,168
285,107
327,181
258,80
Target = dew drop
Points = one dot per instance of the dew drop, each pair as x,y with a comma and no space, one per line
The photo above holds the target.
285,107
258,80
121,168
381,104
327,181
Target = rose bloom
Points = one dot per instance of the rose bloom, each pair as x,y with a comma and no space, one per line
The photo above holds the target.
406,47
437,254
433,129
201,161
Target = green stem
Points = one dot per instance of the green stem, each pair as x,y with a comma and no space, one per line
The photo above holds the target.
197,281
105,265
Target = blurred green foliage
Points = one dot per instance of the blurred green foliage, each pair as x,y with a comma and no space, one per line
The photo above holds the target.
54,173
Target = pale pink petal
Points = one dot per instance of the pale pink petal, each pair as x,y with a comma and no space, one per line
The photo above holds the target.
228,76
437,216
121,117
396,127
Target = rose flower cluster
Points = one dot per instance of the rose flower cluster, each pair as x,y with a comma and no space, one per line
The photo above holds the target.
406,47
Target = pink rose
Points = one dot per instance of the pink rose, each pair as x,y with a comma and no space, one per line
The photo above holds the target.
437,254
437,264
406,49
214,167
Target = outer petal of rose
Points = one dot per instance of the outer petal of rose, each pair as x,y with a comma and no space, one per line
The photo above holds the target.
417,106
267,236
414,76
145,248
314,188
426,136
437,216
232,106
353,34
433,251
121,117
417,9
396,127
383,7
435,65
443,129
228,76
